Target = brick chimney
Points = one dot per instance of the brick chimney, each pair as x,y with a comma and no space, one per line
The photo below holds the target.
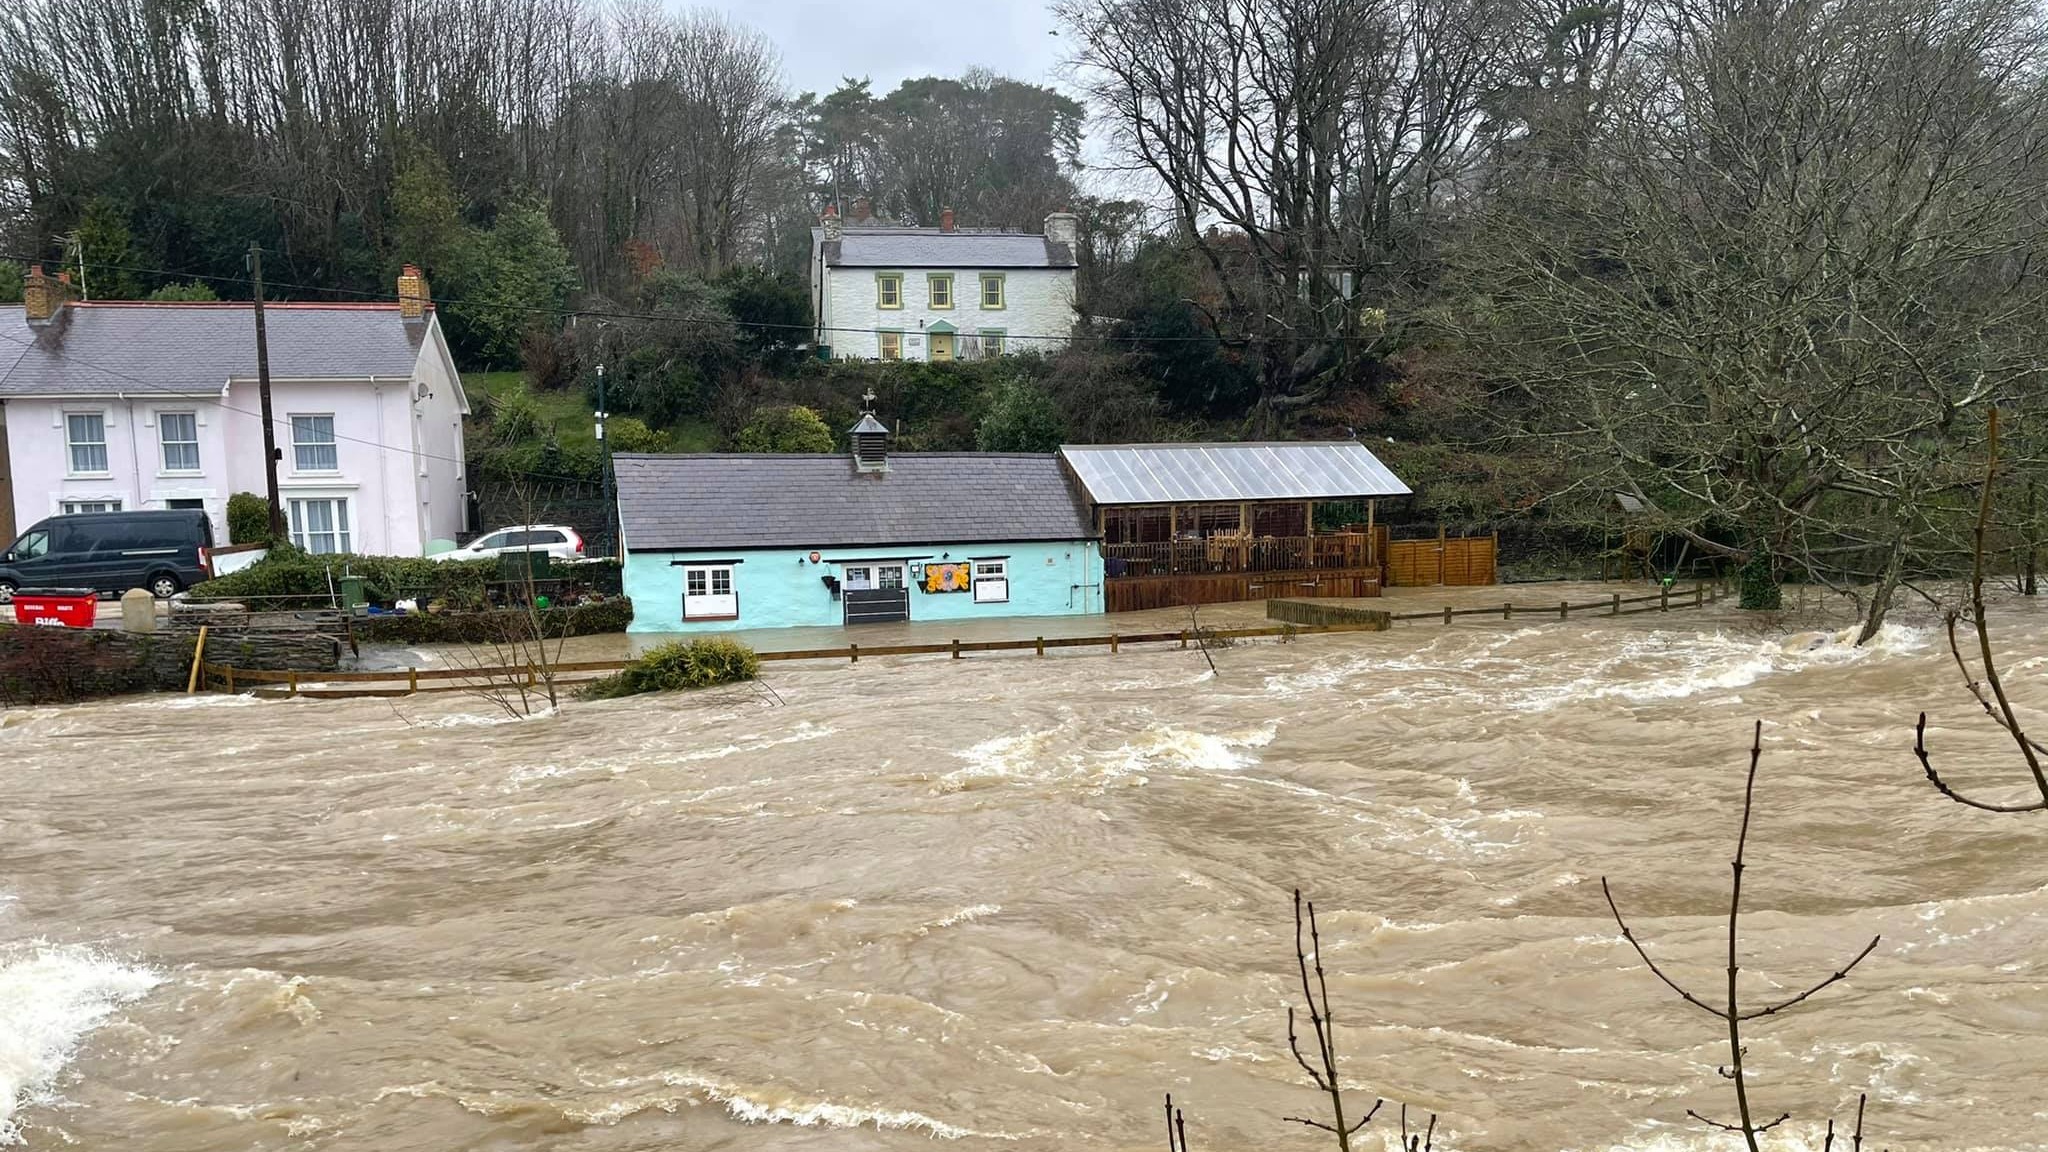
1063,228
413,299
945,219
833,226
42,297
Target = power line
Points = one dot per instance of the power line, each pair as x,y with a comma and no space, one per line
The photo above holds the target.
619,314
164,390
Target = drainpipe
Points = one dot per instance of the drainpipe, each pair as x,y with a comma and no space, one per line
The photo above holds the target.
134,453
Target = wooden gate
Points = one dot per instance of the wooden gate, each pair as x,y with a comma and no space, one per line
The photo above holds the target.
1462,560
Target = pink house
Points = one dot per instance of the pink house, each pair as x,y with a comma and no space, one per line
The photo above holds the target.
120,405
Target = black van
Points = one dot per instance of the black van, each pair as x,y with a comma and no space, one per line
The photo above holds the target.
111,552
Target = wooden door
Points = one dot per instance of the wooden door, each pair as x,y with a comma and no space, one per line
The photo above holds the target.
942,345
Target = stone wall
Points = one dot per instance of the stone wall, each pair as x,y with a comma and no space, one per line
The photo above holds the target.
40,665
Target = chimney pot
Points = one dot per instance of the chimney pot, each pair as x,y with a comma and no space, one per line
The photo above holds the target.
945,220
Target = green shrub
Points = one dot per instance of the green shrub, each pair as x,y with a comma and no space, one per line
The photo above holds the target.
248,518
631,434
679,664
290,577
610,615
514,418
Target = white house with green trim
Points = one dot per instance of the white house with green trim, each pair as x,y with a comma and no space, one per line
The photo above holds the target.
898,292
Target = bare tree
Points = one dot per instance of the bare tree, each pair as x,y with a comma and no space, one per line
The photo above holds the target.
1770,296
1303,147
1997,705
1730,1011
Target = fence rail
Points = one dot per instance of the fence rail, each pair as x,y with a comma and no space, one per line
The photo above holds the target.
265,682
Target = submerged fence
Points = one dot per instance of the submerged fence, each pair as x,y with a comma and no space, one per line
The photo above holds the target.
568,674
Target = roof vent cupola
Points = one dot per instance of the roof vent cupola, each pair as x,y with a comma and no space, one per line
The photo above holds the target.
870,439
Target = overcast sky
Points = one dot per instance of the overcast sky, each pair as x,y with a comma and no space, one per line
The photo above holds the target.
890,41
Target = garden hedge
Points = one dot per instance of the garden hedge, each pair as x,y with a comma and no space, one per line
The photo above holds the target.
498,624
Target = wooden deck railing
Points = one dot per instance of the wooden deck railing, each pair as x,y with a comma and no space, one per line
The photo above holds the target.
568,674
1229,555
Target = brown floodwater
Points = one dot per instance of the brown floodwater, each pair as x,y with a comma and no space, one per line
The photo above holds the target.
1009,902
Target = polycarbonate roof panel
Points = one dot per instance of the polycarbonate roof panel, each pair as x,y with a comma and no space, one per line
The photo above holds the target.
1198,473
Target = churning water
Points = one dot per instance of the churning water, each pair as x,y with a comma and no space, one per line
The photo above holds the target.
1009,902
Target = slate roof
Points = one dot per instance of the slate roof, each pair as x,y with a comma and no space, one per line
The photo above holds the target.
1197,473
764,500
194,349
931,248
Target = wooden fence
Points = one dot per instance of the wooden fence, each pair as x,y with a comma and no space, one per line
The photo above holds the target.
414,681
1454,560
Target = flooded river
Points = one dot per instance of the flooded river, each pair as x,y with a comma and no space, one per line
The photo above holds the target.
1008,902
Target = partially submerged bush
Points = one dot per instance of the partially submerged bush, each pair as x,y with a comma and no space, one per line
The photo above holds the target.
677,665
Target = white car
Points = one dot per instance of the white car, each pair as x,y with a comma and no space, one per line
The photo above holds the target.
560,542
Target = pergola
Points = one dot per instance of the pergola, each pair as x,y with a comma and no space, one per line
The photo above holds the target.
1199,523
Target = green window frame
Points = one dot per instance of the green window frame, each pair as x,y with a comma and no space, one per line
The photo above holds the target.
940,285
991,341
884,337
889,290
992,280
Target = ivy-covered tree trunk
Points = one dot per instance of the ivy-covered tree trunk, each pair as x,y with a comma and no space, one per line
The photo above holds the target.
1758,581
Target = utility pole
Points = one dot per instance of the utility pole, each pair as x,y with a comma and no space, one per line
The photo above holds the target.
604,466
270,453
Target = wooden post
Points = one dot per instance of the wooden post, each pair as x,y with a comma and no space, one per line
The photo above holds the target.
956,647
292,681
1564,609
412,681
531,679
1699,595
1507,610
1112,643
1493,560
1372,535
1439,555
1616,610
229,674
853,650
1041,645
1447,615
198,656
1183,637
1664,598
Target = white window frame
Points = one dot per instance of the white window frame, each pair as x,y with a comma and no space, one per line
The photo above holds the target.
991,580
709,603
71,446
332,444
339,525
86,507
164,444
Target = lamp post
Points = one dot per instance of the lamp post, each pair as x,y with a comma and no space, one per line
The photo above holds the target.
604,466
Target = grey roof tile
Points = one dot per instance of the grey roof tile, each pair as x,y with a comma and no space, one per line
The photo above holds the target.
931,248
100,349
748,500
1193,473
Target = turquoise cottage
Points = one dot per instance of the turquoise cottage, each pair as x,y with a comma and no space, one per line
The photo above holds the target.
716,542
